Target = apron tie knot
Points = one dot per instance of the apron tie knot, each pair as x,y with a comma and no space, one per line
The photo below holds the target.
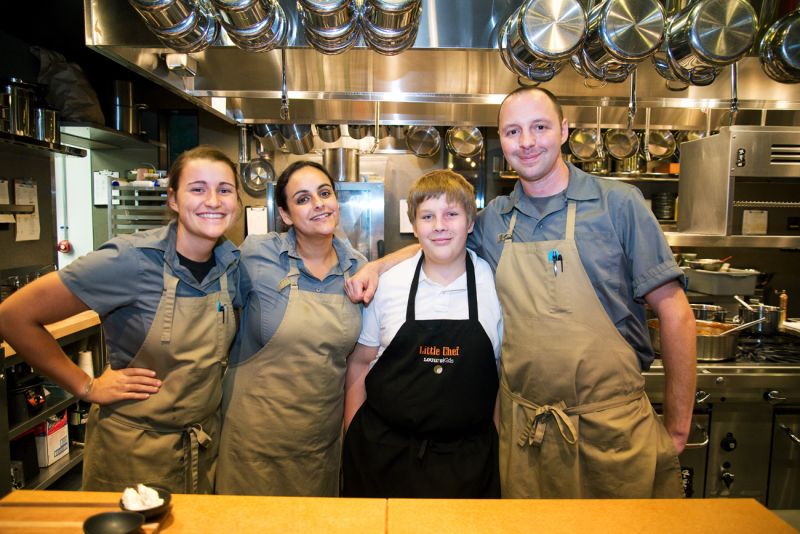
533,434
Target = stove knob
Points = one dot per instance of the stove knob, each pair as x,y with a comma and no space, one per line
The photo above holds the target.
774,396
728,443
727,479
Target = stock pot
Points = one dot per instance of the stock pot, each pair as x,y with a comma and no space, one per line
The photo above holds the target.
707,35
620,34
298,137
710,345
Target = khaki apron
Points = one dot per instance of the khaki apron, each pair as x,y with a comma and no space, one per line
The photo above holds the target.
283,407
574,419
171,438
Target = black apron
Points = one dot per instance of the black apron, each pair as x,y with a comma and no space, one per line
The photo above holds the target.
426,429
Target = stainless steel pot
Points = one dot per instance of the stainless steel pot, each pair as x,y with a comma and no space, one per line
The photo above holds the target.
541,35
298,137
707,35
164,13
360,131
327,15
269,135
630,165
46,125
329,133
20,102
196,32
621,143
583,143
779,50
620,34
265,35
710,344
424,141
709,312
757,311
392,14
342,164
464,142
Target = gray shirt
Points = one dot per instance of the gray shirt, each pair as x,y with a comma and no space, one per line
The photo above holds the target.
265,263
123,279
620,242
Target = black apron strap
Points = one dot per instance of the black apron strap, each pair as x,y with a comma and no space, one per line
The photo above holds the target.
472,291
412,294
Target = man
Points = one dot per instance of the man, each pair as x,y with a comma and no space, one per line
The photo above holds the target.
575,258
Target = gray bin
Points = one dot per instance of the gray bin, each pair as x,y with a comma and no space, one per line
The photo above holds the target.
733,282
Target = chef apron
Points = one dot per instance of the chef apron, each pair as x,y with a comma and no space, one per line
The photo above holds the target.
171,438
574,418
426,429
283,408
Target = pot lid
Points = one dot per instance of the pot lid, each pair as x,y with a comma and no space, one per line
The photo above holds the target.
553,29
722,30
632,29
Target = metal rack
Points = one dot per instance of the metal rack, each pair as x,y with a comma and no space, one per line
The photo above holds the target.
134,208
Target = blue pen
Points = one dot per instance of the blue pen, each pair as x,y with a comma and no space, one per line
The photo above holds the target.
221,308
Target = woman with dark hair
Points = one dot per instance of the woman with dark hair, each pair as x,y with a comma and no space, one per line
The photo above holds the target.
284,389
165,297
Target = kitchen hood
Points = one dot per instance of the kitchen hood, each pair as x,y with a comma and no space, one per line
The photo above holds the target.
453,75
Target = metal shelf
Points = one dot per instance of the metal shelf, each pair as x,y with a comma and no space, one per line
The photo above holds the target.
57,401
39,148
96,137
48,475
678,239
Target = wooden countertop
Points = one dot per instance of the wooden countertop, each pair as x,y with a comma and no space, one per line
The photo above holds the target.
65,511
68,326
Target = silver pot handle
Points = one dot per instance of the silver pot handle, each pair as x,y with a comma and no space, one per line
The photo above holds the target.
792,435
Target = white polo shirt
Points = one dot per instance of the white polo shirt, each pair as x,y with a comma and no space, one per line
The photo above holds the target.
387,312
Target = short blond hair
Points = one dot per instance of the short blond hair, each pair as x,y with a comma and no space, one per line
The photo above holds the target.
440,182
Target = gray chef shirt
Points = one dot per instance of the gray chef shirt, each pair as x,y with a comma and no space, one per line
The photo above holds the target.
620,243
123,280
265,263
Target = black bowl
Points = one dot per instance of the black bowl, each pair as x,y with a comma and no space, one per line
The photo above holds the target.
152,513
113,523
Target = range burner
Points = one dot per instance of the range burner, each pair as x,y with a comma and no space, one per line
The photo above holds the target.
779,348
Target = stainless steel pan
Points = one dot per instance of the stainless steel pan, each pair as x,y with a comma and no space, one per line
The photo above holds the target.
464,142
779,49
621,143
424,141
583,143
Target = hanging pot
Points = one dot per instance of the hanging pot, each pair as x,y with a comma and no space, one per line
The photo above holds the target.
342,164
298,137
779,50
360,131
583,143
424,141
620,34
707,35
329,133
621,143
464,142
269,136
661,144
258,172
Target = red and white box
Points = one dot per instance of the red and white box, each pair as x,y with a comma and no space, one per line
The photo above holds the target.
52,439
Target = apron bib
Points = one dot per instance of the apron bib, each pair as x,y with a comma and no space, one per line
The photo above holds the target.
574,419
171,438
283,407
425,429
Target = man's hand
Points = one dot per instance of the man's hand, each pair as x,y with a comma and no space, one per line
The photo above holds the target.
133,383
361,286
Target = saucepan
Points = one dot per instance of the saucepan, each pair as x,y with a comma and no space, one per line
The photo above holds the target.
708,312
770,316
714,342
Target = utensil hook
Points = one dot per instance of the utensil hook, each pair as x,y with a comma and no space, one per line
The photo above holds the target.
244,145
284,95
632,102
377,137
734,94
647,134
599,141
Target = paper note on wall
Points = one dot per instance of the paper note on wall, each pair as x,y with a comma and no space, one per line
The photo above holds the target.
405,223
25,193
102,180
754,222
5,218
256,220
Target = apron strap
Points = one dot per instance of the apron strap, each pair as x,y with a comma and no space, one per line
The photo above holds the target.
197,438
170,288
570,230
533,433
472,292
412,293
505,238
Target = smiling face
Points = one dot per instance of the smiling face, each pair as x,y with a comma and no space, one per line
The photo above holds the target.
531,136
311,205
442,226
206,202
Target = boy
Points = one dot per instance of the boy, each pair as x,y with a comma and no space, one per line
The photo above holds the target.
421,385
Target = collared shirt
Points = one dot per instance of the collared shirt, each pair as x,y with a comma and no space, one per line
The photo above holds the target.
123,279
387,312
620,242
265,263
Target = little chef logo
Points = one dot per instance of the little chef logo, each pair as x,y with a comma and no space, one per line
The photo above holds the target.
439,354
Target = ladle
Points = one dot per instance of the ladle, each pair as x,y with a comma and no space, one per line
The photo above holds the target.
742,326
741,301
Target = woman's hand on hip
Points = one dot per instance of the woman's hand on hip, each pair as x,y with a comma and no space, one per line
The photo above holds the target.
133,383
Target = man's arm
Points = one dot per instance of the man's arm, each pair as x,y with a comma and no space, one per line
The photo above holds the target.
678,352
361,286
355,392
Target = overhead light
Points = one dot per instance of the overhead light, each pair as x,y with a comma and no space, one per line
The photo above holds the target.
182,65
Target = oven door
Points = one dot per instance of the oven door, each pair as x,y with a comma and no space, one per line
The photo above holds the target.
784,471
